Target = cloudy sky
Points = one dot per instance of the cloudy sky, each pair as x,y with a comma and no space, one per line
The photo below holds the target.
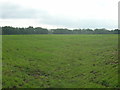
60,13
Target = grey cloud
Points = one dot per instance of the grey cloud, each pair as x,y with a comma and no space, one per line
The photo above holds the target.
13,11
79,23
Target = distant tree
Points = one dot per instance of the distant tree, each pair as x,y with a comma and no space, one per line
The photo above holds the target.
8,30
116,31
61,31
0,30
101,31
77,31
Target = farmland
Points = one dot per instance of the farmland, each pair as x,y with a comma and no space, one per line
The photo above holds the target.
60,61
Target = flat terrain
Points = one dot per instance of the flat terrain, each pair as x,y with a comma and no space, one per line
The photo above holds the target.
52,61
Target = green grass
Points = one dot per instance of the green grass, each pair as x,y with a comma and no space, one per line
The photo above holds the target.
60,61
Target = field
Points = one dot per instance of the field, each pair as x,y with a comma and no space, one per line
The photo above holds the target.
60,61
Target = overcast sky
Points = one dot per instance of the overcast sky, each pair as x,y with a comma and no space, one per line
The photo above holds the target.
60,13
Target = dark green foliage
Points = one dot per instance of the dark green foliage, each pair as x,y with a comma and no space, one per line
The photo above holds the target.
7,30
61,31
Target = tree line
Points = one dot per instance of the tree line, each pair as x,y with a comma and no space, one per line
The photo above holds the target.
8,30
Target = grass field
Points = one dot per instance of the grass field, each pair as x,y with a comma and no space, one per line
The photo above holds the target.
60,61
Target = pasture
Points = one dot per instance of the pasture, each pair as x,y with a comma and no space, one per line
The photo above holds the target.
60,61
